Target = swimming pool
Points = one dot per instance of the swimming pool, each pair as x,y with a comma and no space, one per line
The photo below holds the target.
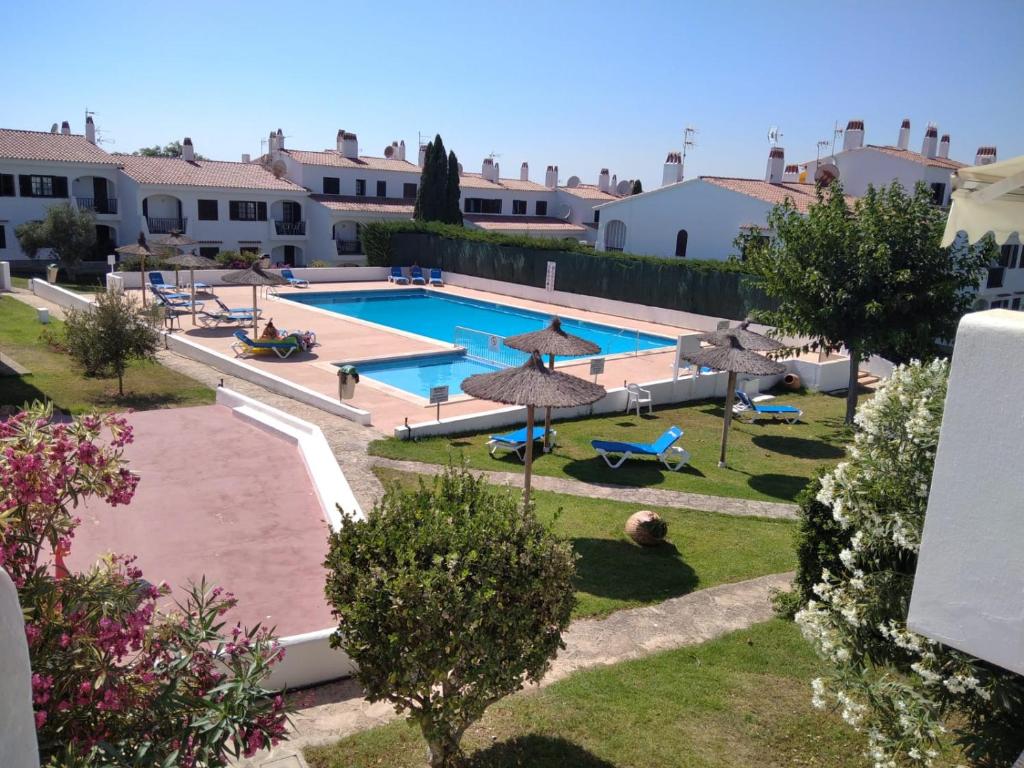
437,316
418,374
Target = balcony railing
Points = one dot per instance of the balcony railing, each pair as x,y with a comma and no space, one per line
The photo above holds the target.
290,227
97,204
166,226
348,246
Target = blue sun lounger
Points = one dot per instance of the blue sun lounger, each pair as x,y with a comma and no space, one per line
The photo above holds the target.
745,406
417,276
673,456
298,282
435,277
516,441
282,347
397,277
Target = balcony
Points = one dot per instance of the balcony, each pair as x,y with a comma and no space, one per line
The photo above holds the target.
159,226
290,228
104,205
348,246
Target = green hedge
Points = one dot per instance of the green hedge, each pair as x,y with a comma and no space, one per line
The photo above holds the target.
717,288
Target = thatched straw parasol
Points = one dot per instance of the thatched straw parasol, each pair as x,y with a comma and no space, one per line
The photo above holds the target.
255,277
141,250
750,341
552,341
193,262
732,357
175,242
534,385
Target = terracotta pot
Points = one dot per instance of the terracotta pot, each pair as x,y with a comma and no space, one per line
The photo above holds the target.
791,381
636,529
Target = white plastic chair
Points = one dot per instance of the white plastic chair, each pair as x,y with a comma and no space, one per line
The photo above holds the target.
637,397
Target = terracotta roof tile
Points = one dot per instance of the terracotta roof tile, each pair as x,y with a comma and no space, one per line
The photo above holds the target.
589,192
917,157
335,159
476,181
393,205
519,223
203,173
802,195
43,145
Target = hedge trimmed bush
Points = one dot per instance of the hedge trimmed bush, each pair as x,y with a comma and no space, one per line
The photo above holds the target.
716,288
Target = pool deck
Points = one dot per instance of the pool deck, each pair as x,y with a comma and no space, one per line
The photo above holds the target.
343,339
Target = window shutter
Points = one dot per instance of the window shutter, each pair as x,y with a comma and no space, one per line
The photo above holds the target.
60,186
25,182
7,185
145,207
3,237
261,211
233,210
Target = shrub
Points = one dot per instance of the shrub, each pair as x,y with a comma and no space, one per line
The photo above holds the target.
448,597
898,686
318,263
237,259
115,331
115,683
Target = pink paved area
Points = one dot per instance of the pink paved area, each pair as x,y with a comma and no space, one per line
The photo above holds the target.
220,497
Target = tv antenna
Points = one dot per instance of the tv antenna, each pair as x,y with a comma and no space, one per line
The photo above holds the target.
494,155
836,132
100,137
774,135
821,145
688,141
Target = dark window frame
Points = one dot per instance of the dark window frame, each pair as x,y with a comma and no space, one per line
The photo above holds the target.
3,237
7,186
682,239
360,187
409,190
205,207
482,205
382,189
519,207
43,185
541,208
247,210
332,185
209,251
938,193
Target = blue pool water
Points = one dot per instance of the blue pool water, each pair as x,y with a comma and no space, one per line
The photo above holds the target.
418,374
435,315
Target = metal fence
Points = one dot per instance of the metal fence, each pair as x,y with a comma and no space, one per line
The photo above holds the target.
488,347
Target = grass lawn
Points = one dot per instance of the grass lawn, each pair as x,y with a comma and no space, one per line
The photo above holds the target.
741,700
93,284
767,461
703,549
54,376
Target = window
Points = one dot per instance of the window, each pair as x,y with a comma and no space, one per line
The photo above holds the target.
995,277
597,217
332,185
482,205
938,193
1016,303
382,189
541,209
247,210
207,210
209,251
43,186
519,207
615,235
3,237
681,239
999,304
1008,256
408,190
6,185
360,187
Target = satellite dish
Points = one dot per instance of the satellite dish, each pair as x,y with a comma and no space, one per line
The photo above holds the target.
389,151
624,187
563,212
573,182
825,174
279,169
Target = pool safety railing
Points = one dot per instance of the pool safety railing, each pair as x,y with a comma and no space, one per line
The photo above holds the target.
488,347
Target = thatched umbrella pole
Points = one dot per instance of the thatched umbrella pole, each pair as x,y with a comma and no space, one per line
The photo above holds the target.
254,276
730,396
140,250
529,453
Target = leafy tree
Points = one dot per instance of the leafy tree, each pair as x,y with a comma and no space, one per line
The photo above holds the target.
68,232
453,192
106,337
637,188
171,149
898,687
871,278
432,202
115,681
448,597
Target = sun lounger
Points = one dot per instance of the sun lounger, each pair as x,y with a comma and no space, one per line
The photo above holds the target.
435,277
280,347
156,282
240,311
397,277
745,406
516,441
673,456
297,282
417,276
227,318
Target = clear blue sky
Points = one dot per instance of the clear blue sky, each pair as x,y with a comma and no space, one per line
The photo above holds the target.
580,84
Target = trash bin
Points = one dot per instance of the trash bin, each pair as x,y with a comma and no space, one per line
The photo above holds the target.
51,273
348,377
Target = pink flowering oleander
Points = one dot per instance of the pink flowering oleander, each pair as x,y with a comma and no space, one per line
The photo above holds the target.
109,666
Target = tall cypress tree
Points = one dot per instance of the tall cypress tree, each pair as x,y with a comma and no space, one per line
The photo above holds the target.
439,191
637,187
422,209
453,214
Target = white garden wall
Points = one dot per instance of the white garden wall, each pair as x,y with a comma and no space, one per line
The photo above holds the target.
59,296
133,279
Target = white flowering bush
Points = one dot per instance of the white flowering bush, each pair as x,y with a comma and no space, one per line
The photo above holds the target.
898,687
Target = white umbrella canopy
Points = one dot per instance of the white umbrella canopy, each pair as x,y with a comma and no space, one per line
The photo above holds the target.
987,199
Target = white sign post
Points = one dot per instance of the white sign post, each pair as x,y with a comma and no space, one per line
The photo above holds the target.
549,278
596,367
493,343
438,395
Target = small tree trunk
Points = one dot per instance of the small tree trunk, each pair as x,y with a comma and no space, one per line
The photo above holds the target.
445,752
120,384
851,392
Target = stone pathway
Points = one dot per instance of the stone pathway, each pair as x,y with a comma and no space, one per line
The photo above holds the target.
653,497
331,712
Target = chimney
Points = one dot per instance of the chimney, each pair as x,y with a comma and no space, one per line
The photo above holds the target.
776,165
188,154
614,184
551,177
65,128
487,169
985,156
931,140
524,172
423,155
944,146
791,173
272,143
90,130
349,145
853,137
497,172
673,170
401,150
603,182
246,158
339,141
904,140
280,139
